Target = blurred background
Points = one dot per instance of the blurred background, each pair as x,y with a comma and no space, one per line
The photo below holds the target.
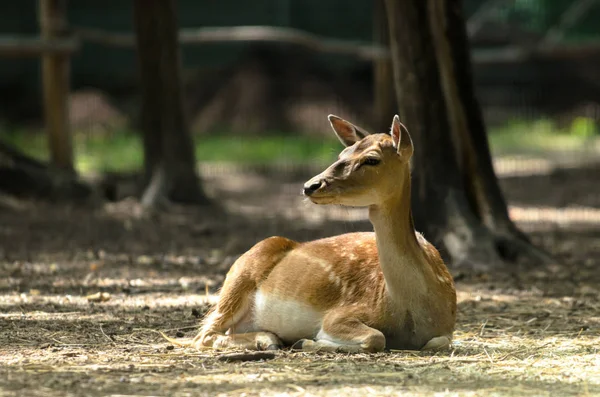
257,99
536,73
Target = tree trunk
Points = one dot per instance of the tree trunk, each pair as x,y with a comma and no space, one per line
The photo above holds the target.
453,54
442,210
384,101
170,166
483,190
55,84
457,198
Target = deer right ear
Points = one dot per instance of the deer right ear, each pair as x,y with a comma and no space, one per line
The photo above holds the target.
346,132
401,138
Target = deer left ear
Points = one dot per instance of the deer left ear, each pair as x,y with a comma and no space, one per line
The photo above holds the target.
346,132
401,138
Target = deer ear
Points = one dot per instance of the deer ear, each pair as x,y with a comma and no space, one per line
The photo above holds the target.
401,137
346,132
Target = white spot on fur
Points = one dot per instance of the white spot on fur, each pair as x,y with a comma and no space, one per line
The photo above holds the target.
324,264
331,275
344,288
350,290
332,278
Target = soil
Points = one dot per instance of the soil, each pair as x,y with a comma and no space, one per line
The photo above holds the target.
84,290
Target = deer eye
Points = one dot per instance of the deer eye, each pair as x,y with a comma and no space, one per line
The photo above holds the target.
371,161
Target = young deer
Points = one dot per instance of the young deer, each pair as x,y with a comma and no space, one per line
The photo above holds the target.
358,292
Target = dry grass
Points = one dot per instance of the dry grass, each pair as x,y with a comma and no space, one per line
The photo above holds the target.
509,343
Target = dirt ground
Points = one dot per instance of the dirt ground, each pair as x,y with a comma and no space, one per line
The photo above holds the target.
521,332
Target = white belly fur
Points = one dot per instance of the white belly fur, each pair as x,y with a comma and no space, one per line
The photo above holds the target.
289,320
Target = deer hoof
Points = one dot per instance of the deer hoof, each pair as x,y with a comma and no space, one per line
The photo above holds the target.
302,344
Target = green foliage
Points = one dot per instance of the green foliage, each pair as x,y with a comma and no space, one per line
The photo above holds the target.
123,151
267,149
584,127
544,135
119,151
540,15
531,13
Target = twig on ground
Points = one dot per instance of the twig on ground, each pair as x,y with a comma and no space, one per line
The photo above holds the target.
250,356
107,337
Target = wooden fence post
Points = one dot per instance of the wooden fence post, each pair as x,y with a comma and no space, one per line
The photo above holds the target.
55,83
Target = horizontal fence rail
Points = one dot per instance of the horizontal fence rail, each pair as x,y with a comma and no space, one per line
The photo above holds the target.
17,46
27,47
246,34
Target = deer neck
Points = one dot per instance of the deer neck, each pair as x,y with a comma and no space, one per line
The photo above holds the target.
400,254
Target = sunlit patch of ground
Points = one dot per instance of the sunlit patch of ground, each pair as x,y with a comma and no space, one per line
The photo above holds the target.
559,216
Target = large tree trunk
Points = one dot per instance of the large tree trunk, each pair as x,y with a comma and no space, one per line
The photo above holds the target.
483,190
456,197
168,148
384,97
453,55
442,210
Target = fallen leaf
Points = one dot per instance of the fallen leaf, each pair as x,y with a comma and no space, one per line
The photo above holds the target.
98,297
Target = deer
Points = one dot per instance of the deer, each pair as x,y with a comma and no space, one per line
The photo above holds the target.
360,292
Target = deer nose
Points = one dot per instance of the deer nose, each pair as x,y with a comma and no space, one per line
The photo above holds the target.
311,186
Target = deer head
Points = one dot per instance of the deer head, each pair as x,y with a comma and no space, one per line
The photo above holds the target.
368,172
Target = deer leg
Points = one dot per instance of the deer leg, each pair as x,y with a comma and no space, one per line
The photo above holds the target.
344,332
233,308
247,340
219,333
230,324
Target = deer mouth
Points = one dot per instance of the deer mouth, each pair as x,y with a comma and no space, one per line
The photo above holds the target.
321,199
